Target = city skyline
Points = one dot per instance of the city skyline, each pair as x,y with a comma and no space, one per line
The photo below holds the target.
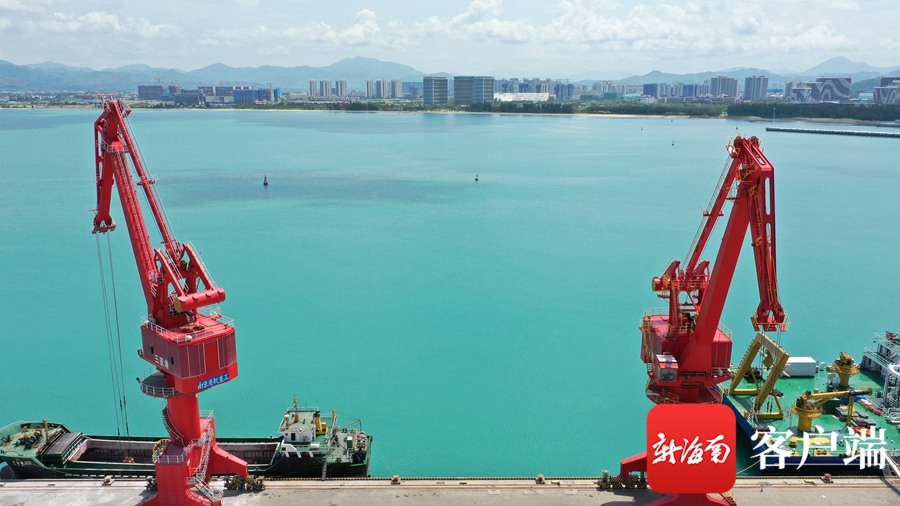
491,37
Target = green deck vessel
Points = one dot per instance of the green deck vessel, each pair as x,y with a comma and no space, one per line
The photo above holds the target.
803,416
307,447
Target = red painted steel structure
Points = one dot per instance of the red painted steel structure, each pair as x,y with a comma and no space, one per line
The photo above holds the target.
688,340
191,351
686,351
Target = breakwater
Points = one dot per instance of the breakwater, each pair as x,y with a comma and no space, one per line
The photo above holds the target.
860,133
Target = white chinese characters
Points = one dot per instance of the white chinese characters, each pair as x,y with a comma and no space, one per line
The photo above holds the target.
690,451
868,446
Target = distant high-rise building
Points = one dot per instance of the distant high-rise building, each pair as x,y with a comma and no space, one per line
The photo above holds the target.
823,89
313,88
665,90
462,90
434,90
801,93
245,95
397,88
756,88
832,89
690,90
564,91
189,98
651,90
788,90
602,87
723,86
889,91
382,88
325,88
267,94
340,88
483,90
150,91
468,90
370,89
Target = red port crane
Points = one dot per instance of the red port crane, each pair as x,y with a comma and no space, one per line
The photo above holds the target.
686,350
191,345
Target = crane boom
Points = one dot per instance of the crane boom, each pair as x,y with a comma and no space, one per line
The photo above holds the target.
174,280
191,350
687,351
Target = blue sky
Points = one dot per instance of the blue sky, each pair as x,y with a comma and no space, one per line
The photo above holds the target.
522,37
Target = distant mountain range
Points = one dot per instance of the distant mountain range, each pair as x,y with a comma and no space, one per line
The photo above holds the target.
50,76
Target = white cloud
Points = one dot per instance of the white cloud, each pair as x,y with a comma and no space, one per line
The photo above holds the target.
311,32
148,30
666,34
747,21
364,31
501,31
18,6
478,10
820,37
98,22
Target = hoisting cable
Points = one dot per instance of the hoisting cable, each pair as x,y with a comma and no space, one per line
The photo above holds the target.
109,342
112,275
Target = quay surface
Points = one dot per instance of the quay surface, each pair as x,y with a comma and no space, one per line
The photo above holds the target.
775,491
860,133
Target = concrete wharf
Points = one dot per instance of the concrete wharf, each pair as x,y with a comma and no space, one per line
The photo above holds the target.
775,491
860,133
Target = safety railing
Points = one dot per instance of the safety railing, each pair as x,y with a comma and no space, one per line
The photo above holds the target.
664,311
150,387
173,459
213,495
184,337
167,423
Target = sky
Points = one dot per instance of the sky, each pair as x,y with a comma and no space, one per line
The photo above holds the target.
493,37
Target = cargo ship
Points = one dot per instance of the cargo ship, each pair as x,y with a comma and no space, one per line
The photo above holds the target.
307,447
806,417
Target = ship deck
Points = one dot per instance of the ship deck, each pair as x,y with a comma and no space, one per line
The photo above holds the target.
792,388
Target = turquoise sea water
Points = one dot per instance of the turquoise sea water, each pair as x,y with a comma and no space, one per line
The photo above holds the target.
485,328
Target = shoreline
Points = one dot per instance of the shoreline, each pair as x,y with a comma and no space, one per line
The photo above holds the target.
752,119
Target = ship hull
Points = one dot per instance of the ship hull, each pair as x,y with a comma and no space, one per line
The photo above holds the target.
93,456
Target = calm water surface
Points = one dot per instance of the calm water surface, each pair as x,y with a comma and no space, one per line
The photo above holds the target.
485,328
